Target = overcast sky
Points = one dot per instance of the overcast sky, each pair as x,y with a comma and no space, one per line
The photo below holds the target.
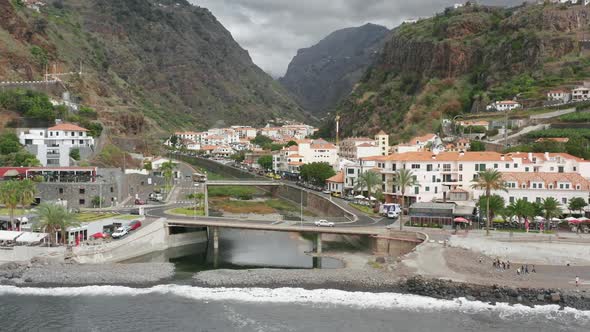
273,30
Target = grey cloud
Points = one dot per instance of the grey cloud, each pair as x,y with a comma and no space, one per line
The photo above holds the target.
273,30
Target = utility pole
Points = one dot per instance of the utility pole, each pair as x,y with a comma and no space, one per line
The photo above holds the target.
301,206
337,129
505,128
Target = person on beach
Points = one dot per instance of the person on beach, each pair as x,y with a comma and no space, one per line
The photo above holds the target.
508,265
577,281
526,269
533,270
518,271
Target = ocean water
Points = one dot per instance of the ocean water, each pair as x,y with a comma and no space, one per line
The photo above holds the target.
187,308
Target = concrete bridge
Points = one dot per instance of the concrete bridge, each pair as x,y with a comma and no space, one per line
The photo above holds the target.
215,223
246,182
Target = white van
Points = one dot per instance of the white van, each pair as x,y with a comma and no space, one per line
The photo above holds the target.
390,207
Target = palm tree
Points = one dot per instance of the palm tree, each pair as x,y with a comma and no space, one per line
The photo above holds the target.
404,178
167,169
551,208
53,218
10,197
488,180
27,192
496,205
521,209
368,180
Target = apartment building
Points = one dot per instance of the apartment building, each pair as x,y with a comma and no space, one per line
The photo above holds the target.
289,159
451,173
52,146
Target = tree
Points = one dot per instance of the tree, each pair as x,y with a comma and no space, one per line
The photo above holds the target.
477,146
368,181
262,140
75,154
520,209
167,169
404,178
551,208
238,157
265,162
174,140
496,205
148,166
27,191
10,197
97,201
488,180
290,143
316,173
53,218
577,204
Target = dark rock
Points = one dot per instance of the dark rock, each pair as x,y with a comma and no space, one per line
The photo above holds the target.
28,280
555,297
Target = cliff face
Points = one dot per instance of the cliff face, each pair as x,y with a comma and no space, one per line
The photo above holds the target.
460,60
167,63
320,76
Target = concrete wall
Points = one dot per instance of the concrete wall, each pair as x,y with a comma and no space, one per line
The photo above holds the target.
78,195
150,238
24,253
394,245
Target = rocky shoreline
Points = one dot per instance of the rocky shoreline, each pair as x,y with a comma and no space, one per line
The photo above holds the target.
383,281
38,273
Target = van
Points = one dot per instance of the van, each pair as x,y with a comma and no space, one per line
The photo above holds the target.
385,208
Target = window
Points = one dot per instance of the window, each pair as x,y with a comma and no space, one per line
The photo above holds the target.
482,167
507,166
112,189
460,167
81,142
416,190
564,200
80,134
82,201
515,165
538,199
567,186
460,177
436,190
561,186
552,168
526,199
61,190
526,169
427,188
575,168
82,191
434,178
534,186
540,186
350,171
511,199
429,167
394,167
72,134
496,166
560,169
415,166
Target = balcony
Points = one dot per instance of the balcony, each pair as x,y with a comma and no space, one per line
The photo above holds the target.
450,170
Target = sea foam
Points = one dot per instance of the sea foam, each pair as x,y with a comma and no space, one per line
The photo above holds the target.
361,300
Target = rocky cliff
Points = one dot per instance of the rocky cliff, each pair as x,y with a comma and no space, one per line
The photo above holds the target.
160,64
458,61
320,76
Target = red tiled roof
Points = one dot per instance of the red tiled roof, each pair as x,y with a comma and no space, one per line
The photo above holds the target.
553,139
547,178
67,127
423,138
19,170
338,178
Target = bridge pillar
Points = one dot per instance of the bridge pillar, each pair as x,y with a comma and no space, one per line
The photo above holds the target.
215,238
206,200
318,243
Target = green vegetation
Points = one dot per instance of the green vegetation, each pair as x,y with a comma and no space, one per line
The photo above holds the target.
369,181
489,180
238,192
316,173
404,179
30,104
14,193
75,154
13,154
269,206
577,204
576,117
477,146
265,162
39,55
363,208
55,218
126,217
191,212
91,216
578,144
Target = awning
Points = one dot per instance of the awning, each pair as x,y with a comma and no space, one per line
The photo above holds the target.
359,197
11,172
9,235
462,210
30,237
461,219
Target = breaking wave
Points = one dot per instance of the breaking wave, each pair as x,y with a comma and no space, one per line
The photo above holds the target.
362,300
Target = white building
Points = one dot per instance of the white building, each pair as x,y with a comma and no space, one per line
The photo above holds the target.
307,151
505,105
52,146
420,143
560,96
581,93
353,148
446,172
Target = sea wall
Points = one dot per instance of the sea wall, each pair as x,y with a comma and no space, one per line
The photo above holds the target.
152,237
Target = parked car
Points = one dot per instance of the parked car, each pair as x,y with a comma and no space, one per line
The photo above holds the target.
326,191
134,225
156,197
99,235
324,223
120,232
139,202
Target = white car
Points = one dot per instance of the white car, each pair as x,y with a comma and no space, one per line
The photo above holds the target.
324,223
326,191
120,232
392,214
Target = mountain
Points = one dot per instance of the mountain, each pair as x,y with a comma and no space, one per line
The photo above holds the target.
320,76
458,61
147,64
